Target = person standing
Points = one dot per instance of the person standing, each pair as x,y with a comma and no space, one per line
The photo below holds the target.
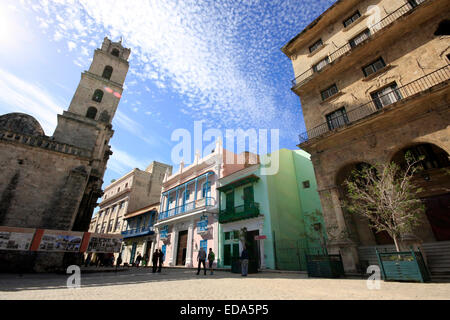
161,260
211,258
244,262
138,260
201,258
155,258
87,262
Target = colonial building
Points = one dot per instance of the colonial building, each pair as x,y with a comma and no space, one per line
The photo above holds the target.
139,234
54,182
135,190
373,81
189,206
274,216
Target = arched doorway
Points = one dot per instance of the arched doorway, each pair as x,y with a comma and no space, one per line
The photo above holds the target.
434,180
367,235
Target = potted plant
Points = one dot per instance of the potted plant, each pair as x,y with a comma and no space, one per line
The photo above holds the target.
386,197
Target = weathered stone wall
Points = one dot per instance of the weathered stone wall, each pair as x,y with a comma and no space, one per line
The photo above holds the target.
40,189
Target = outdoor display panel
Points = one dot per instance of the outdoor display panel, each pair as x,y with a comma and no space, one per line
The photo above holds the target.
103,243
16,239
61,241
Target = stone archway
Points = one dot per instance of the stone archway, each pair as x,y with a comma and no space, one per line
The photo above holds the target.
434,180
367,236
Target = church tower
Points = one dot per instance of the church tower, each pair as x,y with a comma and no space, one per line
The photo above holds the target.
87,122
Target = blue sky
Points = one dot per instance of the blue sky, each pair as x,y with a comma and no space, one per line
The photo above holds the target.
214,61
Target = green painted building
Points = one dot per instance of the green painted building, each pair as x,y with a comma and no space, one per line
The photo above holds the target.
278,217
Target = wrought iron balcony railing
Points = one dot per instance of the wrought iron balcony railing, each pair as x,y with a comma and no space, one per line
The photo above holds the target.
138,232
386,21
424,83
247,211
188,207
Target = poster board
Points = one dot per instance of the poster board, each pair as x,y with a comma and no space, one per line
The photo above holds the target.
61,241
16,239
104,243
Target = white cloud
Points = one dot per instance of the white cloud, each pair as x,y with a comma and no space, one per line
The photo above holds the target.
29,98
121,162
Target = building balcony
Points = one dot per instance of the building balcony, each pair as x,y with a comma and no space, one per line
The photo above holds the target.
187,208
435,78
247,211
139,232
309,74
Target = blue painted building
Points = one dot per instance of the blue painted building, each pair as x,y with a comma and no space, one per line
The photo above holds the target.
139,234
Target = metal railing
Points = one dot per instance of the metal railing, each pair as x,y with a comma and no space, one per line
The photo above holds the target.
188,207
424,83
138,231
386,21
246,211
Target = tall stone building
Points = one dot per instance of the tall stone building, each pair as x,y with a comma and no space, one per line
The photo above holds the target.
135,190
55,182
373,81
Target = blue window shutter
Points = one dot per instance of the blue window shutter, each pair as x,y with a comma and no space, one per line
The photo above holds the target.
164,251
204,245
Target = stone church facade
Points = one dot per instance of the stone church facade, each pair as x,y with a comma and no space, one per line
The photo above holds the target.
55,182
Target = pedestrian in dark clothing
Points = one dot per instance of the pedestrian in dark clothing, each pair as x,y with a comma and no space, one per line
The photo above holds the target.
119,261
155,258
201,258
87,262
244,262
161,260
211,258
138,260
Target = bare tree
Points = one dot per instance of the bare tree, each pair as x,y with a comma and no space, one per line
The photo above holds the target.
386,196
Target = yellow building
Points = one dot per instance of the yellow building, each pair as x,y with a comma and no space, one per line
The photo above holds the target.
373,79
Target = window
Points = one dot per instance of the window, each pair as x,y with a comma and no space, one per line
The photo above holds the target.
319,66
360,38
91,113
337,119
374,67
352,19
316,46
230,201
306,184
386,96
98,96
443,29
117,225
121,205
118,190
331,91
110,228
115,52
204,245
107,72
415,3
206,190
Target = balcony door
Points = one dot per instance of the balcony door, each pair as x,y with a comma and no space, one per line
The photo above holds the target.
249,197
230,202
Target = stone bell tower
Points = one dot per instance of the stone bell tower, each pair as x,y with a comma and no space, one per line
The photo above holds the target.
87,122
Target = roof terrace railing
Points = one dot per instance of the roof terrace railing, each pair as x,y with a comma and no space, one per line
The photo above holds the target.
386,21
424,83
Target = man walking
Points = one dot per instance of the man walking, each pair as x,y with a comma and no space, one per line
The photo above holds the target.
211,258
201,258
161,260
155,258
244,262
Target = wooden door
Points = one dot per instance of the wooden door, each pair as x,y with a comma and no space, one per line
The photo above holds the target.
182,248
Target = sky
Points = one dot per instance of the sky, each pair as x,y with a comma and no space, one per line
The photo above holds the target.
219,62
